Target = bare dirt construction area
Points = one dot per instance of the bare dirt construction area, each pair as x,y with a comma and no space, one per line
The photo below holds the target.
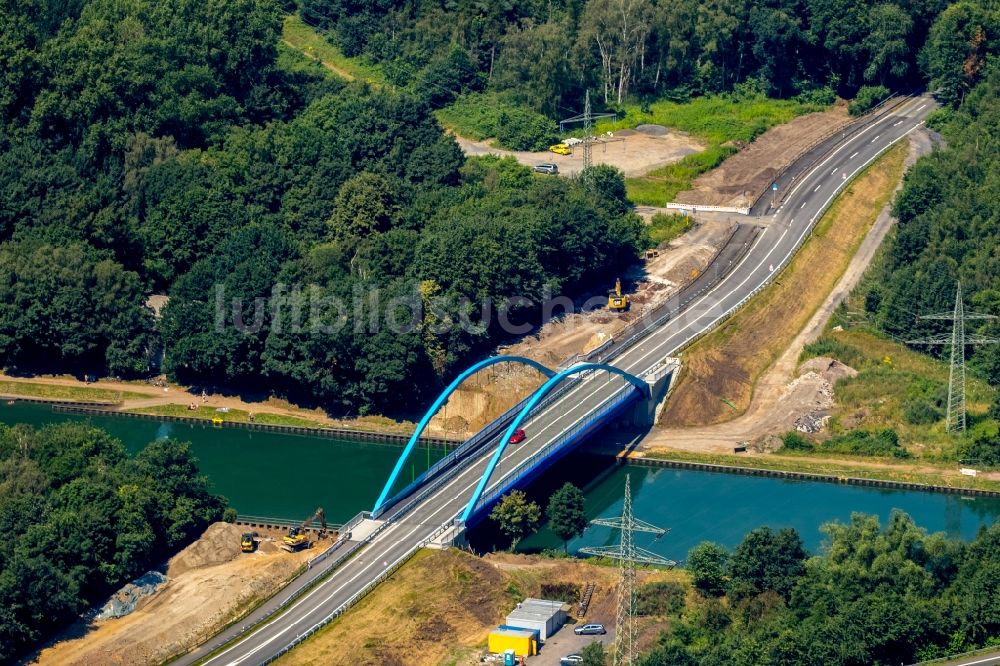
752,360
743,177
635,153
440,607
491,392
210,584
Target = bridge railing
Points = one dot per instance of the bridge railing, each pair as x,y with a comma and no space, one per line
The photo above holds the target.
469,447
614,402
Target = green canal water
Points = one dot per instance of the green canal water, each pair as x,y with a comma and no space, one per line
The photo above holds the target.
698,506
287,476
262,473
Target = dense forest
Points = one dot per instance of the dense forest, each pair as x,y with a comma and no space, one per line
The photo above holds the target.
543,55
174,148
179,148
949,230
875,596
79,517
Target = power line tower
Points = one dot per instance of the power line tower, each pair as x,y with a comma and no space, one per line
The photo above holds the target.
587,118
958,340
627,554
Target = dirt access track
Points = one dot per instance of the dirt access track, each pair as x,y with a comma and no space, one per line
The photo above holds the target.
209,584
635,153
746,175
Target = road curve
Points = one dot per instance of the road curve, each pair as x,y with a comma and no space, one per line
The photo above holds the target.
813,185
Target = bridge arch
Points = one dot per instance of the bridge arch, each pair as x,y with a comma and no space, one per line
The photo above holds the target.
537,397
443,398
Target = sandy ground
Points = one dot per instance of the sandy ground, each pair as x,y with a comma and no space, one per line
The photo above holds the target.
210,582
786,393
743,177
635,153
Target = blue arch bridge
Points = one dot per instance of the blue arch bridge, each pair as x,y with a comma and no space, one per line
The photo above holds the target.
595,393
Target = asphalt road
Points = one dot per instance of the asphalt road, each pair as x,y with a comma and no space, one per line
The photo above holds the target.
816,182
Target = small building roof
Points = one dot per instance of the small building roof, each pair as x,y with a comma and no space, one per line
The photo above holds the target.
535,610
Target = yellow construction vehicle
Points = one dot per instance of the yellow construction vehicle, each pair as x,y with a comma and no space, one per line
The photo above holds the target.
296,538
247,542
618,302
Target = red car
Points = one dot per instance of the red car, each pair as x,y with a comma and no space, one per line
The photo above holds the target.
517,437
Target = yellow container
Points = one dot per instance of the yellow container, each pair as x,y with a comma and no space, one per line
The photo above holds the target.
521,642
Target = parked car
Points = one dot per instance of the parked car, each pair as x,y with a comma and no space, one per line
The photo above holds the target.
561,149
571,659
517,437
547,168
590,629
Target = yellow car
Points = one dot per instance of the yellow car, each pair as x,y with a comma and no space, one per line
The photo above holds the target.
561,149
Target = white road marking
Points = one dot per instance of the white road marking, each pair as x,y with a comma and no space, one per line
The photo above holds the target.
853,156
898,123
875,139
472,468
803,204
817,187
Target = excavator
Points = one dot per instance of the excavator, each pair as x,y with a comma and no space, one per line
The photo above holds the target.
617,301
296,539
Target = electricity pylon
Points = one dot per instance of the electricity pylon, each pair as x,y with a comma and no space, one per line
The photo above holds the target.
958,340
627,554
587,118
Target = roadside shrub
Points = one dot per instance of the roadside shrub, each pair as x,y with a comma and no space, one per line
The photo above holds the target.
664,228
824,96
867,98
793,441
489,115
229,515
660,598
568,592
920,412
834,348
866,443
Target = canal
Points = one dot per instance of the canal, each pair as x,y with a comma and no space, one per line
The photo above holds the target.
261,473
287,476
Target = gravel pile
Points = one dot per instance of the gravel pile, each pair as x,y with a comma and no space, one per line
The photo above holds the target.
125,600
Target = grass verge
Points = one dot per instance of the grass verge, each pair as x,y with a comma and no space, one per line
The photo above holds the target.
725,123
723,367
439,607
232,416
59,392
897,388
883,470
309,41
664,228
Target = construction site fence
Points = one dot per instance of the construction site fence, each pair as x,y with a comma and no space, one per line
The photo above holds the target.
268,523
694,208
